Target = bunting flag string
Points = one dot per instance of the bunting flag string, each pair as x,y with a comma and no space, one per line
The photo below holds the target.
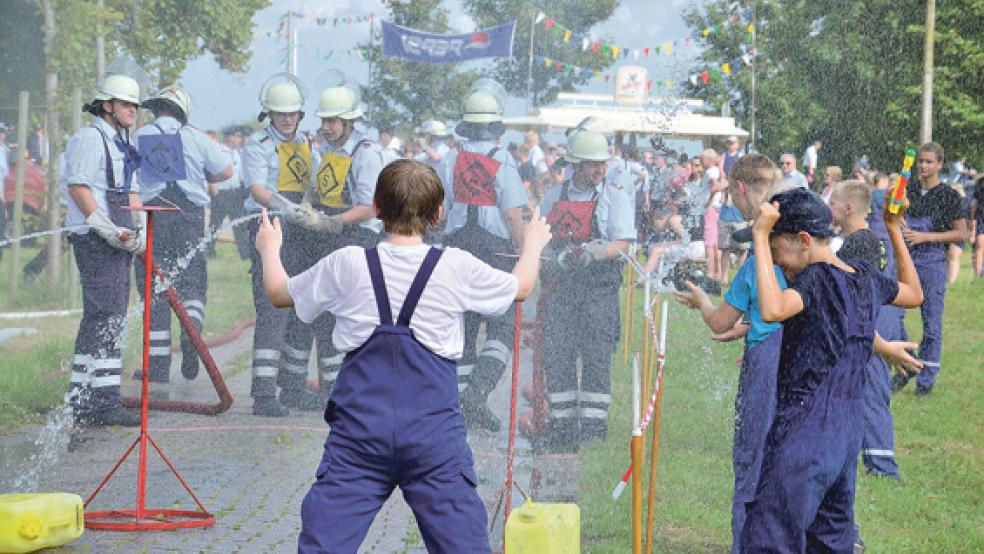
585,42
321,21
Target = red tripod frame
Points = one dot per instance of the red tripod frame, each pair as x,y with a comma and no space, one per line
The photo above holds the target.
142,518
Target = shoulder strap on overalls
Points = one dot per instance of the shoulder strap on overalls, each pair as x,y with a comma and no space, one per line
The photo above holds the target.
110,176
413,295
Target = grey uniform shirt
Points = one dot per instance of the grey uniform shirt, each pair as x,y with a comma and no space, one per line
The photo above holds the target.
367,161
85,164
261,163
614,212
508,187
201,154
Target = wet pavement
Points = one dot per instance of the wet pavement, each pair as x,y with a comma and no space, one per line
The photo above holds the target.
250,472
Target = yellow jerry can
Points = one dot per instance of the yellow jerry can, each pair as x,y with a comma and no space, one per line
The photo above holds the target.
536,528
30,522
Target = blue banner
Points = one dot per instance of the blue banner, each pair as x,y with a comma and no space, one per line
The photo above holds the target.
410,44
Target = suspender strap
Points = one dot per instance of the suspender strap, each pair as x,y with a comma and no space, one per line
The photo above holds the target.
379,287
417,287
110,177
413,295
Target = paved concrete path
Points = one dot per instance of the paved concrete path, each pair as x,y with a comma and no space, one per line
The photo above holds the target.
251,472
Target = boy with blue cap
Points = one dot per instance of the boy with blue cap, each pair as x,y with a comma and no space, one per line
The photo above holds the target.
805,494
394,412
752,180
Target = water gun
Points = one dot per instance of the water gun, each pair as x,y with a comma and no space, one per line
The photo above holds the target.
898,193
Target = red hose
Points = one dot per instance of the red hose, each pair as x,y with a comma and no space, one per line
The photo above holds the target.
225,398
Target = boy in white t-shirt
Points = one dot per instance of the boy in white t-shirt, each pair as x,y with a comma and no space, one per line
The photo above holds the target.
394,413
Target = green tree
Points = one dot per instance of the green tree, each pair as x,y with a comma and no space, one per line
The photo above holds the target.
576,15
164,35
849,72
410,92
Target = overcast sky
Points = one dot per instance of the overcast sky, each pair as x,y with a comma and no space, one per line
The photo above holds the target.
221,97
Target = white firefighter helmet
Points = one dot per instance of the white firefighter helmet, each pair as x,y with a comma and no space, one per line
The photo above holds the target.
118,87
433,127
592,123
174,95
282,93
587,146
339,101
483,103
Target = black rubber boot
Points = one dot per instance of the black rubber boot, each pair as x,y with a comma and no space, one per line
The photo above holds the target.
109,417
269,406
301,399
477,413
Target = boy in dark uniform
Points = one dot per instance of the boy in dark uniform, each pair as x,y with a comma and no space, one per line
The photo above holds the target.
805,494
394,412
849,204
934,220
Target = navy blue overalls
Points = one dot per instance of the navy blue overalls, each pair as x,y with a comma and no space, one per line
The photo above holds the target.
105,275
755,407
395,421
930,261
805,496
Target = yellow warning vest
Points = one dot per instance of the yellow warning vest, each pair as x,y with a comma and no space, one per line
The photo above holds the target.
330,182
295,166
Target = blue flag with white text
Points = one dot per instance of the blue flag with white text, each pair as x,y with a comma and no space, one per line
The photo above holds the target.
410,44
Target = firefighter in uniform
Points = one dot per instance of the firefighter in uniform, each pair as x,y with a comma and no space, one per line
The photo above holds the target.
227,196
277,162
433,146
593,222
99,166
338,212
176,161
483,201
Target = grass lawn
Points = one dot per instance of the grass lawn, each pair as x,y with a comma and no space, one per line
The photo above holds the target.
937,507
30,383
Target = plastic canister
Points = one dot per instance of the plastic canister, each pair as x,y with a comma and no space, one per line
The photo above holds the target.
536,528
30,522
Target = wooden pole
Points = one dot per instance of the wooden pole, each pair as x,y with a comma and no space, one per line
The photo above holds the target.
17,222
73,271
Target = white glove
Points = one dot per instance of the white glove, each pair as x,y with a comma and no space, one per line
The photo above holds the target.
331,224
137,241
292,212
99,222
594,251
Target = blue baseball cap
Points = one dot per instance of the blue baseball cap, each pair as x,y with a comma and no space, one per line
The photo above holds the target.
799,210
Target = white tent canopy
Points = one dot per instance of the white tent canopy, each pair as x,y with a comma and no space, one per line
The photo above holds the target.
669,118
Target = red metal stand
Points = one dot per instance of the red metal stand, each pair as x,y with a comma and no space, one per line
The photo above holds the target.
143,518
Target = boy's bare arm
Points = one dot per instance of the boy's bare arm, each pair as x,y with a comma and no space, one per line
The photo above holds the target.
910,291
719,319
775,304
527,267
269,239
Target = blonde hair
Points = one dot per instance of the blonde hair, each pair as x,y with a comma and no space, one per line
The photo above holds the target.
856,193
835,171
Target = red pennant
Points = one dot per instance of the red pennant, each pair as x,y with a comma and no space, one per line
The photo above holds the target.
549,23
646,51
595,47
705,76
649,85
607,77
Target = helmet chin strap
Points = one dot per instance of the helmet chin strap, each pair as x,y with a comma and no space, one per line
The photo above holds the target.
116,123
